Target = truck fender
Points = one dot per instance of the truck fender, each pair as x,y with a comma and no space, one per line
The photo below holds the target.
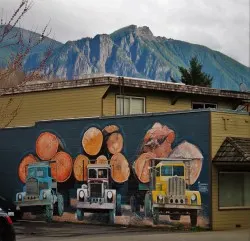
113,193
84,190
22,193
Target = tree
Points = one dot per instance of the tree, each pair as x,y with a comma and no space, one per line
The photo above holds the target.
12,73
194,75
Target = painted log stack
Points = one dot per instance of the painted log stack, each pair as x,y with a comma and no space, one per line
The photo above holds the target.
157,143
49,147
104,147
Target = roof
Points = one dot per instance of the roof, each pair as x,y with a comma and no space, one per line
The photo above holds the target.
233,150
112,80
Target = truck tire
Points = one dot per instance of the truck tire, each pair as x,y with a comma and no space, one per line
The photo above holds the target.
111,217
60,205
49,213
193,217
155,216
118,205
79,214
147,206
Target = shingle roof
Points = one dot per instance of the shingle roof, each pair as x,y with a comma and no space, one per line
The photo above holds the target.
127,82
234,149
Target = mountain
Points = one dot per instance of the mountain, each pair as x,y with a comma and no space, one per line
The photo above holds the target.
135,52
12,38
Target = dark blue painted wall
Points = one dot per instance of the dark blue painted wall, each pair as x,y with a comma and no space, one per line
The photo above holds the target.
17,142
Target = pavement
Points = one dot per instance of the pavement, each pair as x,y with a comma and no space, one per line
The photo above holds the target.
41,231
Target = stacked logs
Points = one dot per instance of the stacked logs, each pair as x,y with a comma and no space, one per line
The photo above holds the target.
105,147
49,147
157,143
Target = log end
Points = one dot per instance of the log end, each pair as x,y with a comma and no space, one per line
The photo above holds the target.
80,168
92,141
46,146
62,169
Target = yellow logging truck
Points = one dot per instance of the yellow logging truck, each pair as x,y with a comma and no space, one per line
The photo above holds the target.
169,192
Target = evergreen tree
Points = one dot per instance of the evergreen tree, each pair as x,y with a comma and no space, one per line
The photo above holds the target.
194,75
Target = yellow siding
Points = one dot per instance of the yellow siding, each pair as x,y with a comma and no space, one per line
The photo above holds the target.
237,125
226,124
109,104
159,103
48,105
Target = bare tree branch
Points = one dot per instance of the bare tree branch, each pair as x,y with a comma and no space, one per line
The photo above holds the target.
13,75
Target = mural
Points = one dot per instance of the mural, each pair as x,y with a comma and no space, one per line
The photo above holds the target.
143,171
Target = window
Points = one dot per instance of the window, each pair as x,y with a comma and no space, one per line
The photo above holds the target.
234,189
126,105
92,173
201,105
178,171
166,170
102,173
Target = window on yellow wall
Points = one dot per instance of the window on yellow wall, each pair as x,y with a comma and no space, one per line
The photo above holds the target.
234,189
126,105
201,105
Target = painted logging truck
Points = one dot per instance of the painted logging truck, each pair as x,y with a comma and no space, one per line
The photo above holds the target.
97,195
168,191
40,194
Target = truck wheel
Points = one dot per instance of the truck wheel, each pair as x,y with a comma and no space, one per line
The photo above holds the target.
19,215
49,213
118,205
79,214
155,216
147,206
60,205
193,218
112,217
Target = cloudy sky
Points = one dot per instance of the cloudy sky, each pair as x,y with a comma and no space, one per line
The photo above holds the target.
221,25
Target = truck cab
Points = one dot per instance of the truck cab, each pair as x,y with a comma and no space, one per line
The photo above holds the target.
169,190
40,192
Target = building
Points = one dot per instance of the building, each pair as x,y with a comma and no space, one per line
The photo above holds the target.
220,134
108,96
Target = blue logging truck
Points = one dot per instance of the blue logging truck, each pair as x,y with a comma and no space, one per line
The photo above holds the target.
40,194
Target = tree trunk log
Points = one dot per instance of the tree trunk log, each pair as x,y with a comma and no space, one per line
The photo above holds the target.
47,145
115,143
102,160
62,169
80,168
141,166
120,170
92,141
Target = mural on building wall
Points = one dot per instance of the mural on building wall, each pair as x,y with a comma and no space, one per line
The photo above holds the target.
167,185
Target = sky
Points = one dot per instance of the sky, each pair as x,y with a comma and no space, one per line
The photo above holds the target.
221,25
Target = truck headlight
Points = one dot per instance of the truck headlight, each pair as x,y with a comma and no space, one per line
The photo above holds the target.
19,197
160,197
44,195
81,194
193,197
110,195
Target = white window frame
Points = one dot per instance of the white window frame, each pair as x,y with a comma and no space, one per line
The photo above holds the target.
204,103
232,207
130,97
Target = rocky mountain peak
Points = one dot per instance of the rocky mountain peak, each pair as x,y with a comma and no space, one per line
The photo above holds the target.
144,32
